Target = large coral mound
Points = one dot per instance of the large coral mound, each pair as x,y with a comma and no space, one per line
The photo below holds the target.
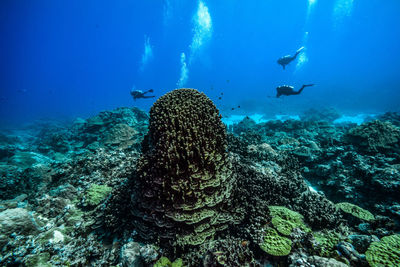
184,175
375,136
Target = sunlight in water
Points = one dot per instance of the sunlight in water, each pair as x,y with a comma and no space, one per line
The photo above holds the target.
184,72
342,9
302,58
202,29
147,53
310,8
167,11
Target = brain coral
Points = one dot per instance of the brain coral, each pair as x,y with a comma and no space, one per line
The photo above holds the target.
184,174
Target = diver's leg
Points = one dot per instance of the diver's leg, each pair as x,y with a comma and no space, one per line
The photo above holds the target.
148,96
301,89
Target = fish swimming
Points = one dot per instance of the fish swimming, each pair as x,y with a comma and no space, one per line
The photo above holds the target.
283,61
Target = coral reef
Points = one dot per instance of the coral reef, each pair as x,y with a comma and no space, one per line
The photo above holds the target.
385,252
355,211
96,194
375,136
83,194
324,114
184,175
228,252
274,244
285,220
165,262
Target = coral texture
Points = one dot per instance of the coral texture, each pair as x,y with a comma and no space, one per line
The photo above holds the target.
285,220
274,244
385,252
185,176
374,136
356,211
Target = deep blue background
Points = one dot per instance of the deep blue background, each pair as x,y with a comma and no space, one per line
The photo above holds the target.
64,59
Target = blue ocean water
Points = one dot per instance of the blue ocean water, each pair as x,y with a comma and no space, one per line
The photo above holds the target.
68,59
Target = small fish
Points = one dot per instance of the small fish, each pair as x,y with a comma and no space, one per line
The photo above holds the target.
233,108
227,81
219,98
238,106
222,93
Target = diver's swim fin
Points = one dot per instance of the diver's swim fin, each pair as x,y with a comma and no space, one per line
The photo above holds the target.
299,50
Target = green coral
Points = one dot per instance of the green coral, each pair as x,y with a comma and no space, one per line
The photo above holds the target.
96,194
52,236
38,260
274,244
356,211
285,220
73,217
165,262
326,243
385,252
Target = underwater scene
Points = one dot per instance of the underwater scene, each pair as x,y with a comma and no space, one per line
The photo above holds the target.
173,133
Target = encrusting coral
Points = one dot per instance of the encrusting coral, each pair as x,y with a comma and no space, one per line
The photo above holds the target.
184,175
385,252
356,211
274,244
285,220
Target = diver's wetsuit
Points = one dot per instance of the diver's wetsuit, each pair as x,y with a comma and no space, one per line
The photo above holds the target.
283,61
139,94
288,90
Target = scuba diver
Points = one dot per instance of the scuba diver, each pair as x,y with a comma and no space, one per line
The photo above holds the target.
140,94
287,59
288,90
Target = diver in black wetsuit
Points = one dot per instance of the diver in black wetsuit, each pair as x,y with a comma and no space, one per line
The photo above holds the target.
283,61
140,94
289,90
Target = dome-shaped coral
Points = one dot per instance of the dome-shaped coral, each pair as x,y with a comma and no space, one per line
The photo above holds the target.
185,175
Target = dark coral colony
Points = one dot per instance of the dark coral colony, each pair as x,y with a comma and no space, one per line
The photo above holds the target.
179,188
